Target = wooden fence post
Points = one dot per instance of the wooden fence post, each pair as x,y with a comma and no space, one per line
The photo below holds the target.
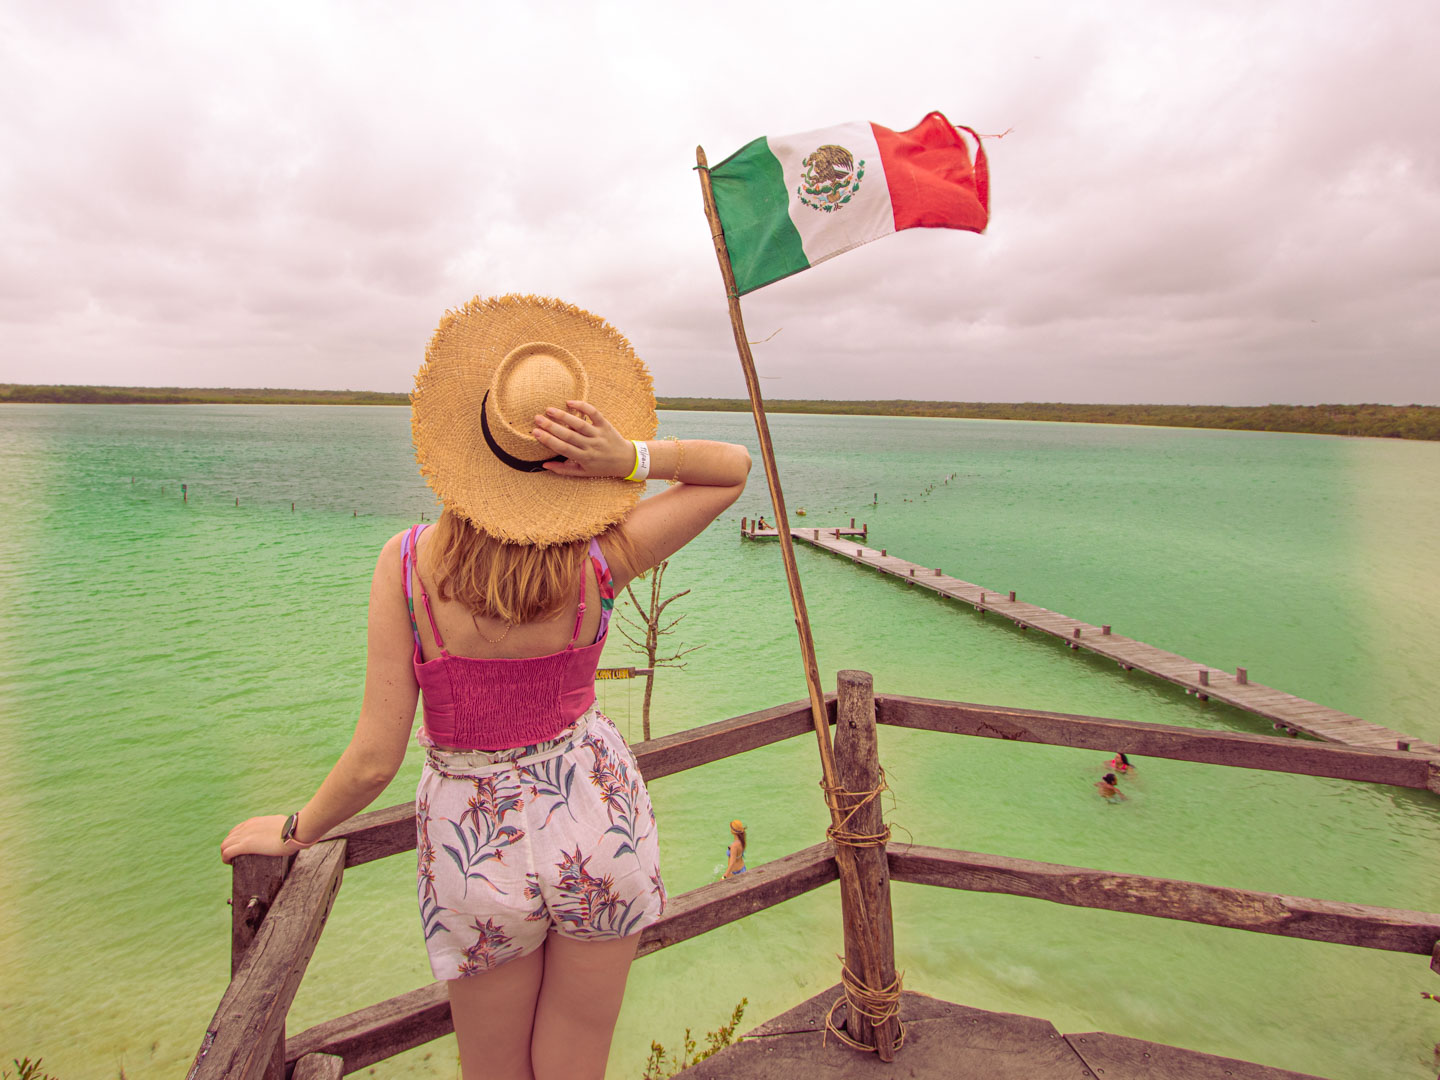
857,765
255,881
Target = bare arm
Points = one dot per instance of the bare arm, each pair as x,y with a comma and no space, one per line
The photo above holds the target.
710,475
377,748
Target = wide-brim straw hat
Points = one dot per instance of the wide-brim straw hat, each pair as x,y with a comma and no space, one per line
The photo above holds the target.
491,367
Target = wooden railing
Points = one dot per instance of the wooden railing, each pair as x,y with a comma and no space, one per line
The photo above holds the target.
280,904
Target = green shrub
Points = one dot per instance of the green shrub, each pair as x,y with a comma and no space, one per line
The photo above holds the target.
662,1063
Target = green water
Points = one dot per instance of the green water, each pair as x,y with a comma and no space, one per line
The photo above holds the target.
169,668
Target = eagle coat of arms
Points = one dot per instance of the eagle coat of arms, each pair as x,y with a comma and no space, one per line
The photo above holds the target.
831,178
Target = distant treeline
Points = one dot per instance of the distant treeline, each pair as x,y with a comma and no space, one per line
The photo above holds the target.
180,395
1375,421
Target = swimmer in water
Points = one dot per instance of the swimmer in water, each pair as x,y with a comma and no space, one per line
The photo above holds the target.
1120,763
1107,785
735,854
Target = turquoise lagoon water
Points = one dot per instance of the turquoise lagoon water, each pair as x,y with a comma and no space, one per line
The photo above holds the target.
167,668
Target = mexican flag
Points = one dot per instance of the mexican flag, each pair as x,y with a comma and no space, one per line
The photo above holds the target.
789,202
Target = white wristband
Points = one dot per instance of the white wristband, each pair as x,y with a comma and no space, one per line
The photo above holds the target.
641,471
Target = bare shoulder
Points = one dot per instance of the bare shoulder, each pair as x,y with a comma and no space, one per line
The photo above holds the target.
387,566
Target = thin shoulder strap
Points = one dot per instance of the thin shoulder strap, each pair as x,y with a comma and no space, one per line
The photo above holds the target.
606,584
424,596
579,611
407,546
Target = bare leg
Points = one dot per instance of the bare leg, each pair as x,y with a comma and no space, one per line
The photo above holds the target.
579,1003
493,1014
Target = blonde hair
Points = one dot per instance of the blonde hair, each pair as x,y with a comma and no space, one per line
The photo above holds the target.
518,583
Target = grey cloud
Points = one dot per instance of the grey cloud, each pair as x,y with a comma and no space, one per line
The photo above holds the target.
1207,204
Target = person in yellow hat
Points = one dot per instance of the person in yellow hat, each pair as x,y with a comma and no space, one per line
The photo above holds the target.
534,422
735,853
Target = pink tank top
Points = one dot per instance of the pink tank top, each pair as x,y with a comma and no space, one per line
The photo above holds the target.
497,704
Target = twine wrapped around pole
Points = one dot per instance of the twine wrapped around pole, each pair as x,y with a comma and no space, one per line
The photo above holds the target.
853,895
840,832
876,1006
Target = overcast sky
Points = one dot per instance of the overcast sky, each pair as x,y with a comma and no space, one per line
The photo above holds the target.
1232,203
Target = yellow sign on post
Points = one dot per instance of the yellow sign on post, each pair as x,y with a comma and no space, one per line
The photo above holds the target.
621,672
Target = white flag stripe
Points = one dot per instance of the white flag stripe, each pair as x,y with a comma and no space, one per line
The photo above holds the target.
867,216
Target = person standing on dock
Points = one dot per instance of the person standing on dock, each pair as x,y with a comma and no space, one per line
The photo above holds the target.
538,856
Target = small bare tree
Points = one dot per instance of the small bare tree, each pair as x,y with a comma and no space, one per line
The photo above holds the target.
648,628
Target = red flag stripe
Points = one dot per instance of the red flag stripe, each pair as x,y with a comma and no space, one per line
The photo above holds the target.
931,179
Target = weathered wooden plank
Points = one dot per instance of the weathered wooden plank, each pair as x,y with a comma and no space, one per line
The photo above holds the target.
942,1040
379,1031
255,881
412,1019
711,742
1377,766
699,910
377,834
1390,929
319,1067
1114,1057
240,1040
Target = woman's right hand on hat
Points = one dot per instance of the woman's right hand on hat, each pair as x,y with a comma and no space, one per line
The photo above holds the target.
590,444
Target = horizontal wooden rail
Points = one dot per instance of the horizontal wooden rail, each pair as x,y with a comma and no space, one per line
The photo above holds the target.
251,1017
1394,767
700,910
392,830
725,738
402,1023
1368,927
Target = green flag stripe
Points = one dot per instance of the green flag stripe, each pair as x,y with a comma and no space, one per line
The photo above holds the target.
754,208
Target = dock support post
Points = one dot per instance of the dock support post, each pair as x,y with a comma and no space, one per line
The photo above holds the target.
1012,596
255,881
852,523
1242,676
1204,677
744,522
857,765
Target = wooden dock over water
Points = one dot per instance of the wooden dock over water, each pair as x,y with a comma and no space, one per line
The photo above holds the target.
1285,711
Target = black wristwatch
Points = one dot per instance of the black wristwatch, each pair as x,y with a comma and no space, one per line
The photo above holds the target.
287,833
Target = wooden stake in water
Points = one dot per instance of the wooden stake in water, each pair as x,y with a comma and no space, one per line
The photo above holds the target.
867,965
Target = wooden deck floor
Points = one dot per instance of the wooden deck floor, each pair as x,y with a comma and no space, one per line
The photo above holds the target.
944,1040
1283,710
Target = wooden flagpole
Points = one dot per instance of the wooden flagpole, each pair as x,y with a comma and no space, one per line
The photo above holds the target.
851,890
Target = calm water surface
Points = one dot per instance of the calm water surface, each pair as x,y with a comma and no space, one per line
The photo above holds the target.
168,668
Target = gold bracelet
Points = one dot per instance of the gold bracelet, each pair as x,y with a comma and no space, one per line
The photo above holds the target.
679,459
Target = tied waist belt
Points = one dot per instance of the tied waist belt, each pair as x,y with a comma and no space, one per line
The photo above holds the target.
451,763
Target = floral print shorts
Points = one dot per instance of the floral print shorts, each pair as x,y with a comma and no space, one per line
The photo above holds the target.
515,844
